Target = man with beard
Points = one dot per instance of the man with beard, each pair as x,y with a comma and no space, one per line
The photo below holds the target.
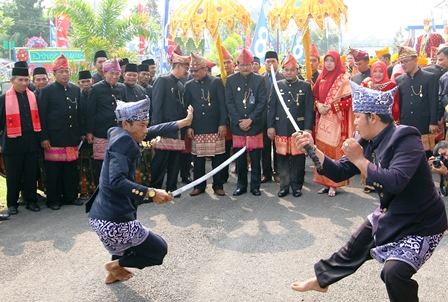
167,106
206,95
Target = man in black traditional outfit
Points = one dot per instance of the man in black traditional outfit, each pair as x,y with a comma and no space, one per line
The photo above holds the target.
205,94
101,111
419,102
167,106
60,113
19,126
98,61
40,80
133,92
271,58
361,58
298,98
152,70
246,102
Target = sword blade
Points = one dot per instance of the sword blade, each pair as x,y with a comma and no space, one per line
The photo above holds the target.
209,174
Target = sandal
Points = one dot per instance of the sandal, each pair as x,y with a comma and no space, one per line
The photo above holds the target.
368,190
323,191
331,193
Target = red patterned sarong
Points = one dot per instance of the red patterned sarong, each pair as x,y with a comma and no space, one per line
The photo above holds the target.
208,145
170,144
285,145
251,142
61,154
99,148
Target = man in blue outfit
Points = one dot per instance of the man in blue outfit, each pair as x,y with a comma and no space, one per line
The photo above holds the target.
113,206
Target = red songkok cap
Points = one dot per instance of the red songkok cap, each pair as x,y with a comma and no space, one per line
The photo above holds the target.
313,51
245,57
210,64
290,62
60,62
226,54
358,54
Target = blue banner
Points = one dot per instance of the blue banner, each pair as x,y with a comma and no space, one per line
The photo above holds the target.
262,39
52,35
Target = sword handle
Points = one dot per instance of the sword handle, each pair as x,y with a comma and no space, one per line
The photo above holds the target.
309,149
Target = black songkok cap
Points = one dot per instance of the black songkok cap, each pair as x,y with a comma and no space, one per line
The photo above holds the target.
85,74
143,67
271,55
100,54
39,70
20,71
21,64
257,59
149,62
124,61
131,67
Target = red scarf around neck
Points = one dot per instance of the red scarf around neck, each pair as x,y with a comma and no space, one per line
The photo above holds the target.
13,123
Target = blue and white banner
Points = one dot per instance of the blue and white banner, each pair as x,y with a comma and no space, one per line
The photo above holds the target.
164,68
53,42
262,41
297,48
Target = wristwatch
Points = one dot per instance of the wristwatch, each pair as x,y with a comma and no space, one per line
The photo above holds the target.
150,193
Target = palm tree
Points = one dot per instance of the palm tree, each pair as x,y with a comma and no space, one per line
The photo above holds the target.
105,27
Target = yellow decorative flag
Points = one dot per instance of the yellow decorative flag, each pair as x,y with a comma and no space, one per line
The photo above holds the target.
221,60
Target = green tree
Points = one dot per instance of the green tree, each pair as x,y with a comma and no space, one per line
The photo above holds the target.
5,23
324,44
102,28
232,43
397,40
29,21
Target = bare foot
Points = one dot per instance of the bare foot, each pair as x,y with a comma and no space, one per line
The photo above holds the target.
310,284
119,272
110,279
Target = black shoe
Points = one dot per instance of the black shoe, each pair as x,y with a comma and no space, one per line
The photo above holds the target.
4,216
75,202
283,193
239,191
187,180
33,207
54,206
177,196
12,210
296,193
255,192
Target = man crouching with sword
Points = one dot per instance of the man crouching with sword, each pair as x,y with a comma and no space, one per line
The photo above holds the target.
113,206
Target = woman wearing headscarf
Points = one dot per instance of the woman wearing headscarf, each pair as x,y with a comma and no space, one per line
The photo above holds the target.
379,80
334,116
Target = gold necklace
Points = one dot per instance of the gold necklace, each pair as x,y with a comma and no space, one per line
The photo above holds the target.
208,96
419,93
